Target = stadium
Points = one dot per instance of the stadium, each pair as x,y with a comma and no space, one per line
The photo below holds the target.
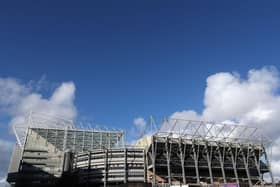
53,152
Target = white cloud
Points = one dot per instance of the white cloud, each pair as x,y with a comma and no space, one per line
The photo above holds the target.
140,123
136,131
252,101
18,99
11,92
186,114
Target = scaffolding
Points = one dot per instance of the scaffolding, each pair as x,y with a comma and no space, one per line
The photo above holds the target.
177,152
44,143
186,151
64,135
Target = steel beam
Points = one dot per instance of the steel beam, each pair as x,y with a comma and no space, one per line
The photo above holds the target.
125,165
182,158
154,160
257,164
168,153
269,167
145,165
222,159
195,155
234,164
105,167
246,166
209,159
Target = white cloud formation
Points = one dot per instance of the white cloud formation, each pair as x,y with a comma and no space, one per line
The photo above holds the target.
59,104
186,114
140,123
136,131
11,92
18,99
253,101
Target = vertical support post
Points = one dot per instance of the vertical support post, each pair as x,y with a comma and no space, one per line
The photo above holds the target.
109,140
209,163
75,161
123,139
195,155
67,162
167,147
182,158
105,167
89,167
154,160
145,165
269,167
89,160
92,138
257,164
83,146
221,158
47,135
234,164
55,140
100,142
125,165
75,143
246,166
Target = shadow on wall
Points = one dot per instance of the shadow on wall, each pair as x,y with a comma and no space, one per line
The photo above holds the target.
35,176
32,176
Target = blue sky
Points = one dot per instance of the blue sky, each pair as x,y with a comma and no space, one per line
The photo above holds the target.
136,58
132,59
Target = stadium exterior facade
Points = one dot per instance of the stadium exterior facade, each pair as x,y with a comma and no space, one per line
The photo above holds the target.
184,152
179,152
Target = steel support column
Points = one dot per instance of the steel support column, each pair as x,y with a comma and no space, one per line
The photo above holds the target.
195,155
269,167
246,166
234,164
154,160
125,165
182,158
89,168
89,160
221,158
257,164
105,167
145,165
209,163
168,153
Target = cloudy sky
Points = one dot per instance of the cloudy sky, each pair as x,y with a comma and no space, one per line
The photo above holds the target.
115,63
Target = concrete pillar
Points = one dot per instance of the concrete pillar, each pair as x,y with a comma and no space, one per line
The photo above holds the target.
67,162
145,165
125,165
89,160
105,167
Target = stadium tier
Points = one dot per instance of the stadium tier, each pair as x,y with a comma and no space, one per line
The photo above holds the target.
179,152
